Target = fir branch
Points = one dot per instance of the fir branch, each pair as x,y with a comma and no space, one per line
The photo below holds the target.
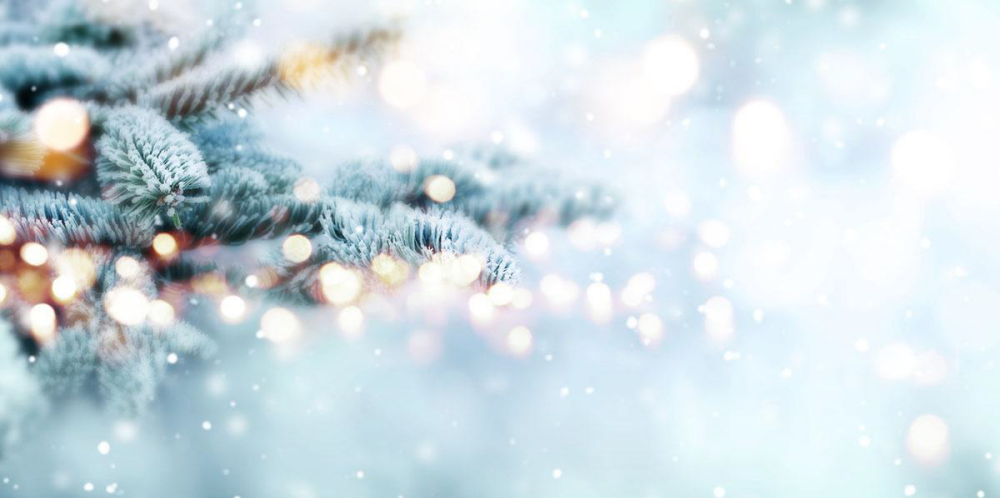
23,67
45,216
148,166
236,221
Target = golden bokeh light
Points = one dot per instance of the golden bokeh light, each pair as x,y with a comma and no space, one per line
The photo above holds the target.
77,264
126,305
161,313
280,326
352,321
390,270
501,294
296,248
34,254
42,321
165,245
340,285
232,308
127,267
7,233
62,124
519,341
439,188
63,289
307,190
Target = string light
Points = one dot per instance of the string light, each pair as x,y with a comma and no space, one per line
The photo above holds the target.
296,248
7,233
161,313
126,305
42,320
77,264
127,267
3,293
280,326
232,308
339,285
439,188
351,320
519,341
165,245
62,124
34,254
63,289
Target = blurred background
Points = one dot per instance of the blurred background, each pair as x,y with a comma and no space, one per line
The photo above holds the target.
798,297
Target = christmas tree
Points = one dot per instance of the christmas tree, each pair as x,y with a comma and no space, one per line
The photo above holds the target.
124,153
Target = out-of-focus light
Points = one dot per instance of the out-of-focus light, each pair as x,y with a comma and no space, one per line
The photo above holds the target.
232,308
761,138
931,368
561,293
599,301
465,269
677,203
296,248
519,341
403,158
126,305
61,49
637,289
77,264
431,273
165,245
3,293
352,321
402,84
719,319
927,439
923,162
279,326
42,320
439,188
713,233
501,294
340,285
481,308
390,270
127,267
63,289
895,361
536,245
34,254
522,298
671,63
705,265
306,190
7,233
61,124
650,328
161,313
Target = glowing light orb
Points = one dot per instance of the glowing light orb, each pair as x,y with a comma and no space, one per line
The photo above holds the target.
34,254
705,265
519,341
719,319
439,188
390,270
671,63
127,267
522,298
232,308
62,124
3,293
296,248
927,439
279,326
339,285
60,49
637,289
42,321
403,158
501,294
161,313
599,301
536,245
63,289
677,203
7,233
481,308
402,84
165,245
77,264
306,190
713,233
126,305
351,320
561,293
650,328
760,138
923,162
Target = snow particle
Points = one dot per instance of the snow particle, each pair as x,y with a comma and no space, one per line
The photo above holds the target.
61,49
556,473
206,425
104,447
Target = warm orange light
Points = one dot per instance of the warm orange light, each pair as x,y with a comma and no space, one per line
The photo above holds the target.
165,245
62,124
